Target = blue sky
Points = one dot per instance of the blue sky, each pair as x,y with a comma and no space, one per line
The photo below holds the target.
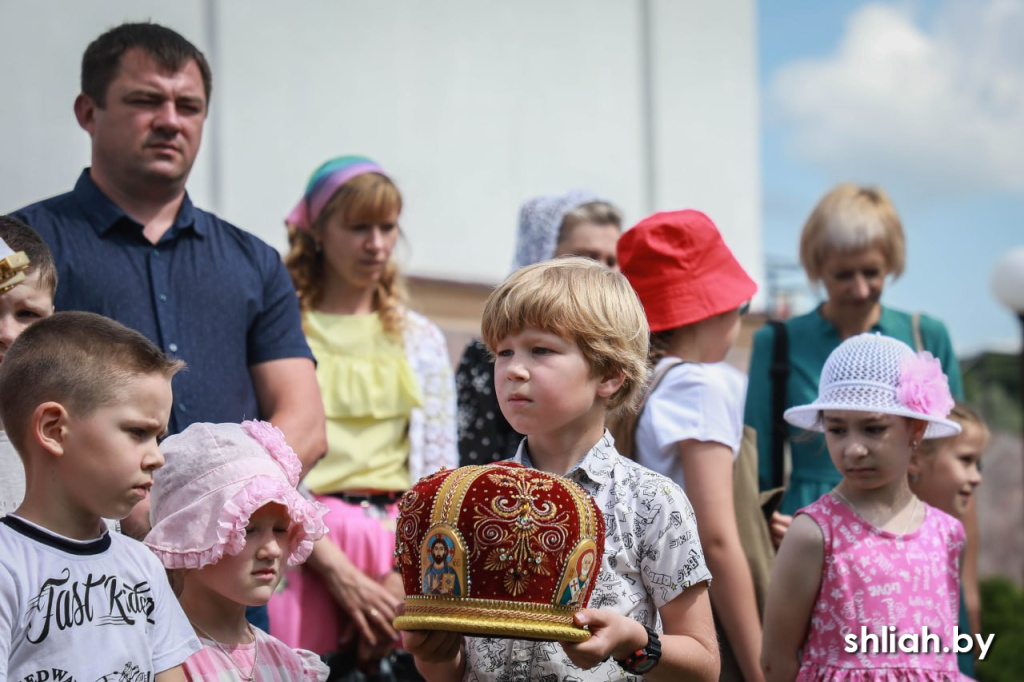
926,99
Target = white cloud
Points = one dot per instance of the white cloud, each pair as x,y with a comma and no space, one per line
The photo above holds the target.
937,109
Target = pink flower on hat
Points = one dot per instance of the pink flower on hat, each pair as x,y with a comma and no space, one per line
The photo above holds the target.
923,387
271,438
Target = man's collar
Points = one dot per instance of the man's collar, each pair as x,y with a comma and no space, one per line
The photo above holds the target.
103,214
597,464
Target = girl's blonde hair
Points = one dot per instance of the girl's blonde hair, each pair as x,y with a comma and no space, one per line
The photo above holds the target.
581,301
852,218
963,414
366,198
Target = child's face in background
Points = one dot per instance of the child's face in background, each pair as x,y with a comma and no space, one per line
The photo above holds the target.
250,576
22,306
545,383
871,450
947,477
720,333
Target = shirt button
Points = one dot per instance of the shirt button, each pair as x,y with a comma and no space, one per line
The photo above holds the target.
156,252
163,297
181,406
173,348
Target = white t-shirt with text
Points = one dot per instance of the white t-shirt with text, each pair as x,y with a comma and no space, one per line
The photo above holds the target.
93,611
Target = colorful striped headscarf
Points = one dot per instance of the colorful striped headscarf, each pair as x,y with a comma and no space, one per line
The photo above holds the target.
324,182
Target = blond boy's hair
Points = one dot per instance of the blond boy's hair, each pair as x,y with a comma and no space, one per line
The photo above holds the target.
852,218
581,301
77,359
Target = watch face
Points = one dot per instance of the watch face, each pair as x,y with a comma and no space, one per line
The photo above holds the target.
644,666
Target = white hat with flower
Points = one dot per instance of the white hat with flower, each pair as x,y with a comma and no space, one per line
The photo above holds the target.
876,373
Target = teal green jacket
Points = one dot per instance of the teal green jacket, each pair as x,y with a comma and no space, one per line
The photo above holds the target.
811,339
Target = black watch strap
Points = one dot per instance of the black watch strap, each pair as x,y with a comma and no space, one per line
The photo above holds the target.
643,660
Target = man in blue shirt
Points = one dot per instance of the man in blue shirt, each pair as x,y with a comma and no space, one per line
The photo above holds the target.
130,245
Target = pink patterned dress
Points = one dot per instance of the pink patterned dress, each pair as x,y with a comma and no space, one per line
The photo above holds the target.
879,580
277,662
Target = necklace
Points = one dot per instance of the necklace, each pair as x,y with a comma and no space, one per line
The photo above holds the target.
853,507
251,677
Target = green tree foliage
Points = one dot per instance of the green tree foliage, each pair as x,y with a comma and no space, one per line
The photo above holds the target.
1002,613
992,385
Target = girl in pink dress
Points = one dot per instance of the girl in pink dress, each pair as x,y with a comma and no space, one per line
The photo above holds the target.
227,519
866,582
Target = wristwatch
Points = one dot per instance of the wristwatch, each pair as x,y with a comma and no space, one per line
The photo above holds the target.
643,660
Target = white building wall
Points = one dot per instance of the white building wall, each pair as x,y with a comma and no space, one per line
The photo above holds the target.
472,105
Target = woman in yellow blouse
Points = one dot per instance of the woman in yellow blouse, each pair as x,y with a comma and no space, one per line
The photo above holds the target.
388,393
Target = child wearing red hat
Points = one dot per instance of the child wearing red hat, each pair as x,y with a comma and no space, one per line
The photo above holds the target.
691,424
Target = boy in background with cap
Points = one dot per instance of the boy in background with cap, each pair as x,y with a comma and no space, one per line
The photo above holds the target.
84,401
691,424
27,290
570,344
26,296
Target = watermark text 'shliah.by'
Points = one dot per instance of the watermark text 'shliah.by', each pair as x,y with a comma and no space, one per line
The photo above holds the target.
887,640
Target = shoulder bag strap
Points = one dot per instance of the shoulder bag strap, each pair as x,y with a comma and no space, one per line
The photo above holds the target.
915,326
780,377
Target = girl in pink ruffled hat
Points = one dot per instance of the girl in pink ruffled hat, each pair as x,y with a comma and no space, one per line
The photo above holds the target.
227,519
866,582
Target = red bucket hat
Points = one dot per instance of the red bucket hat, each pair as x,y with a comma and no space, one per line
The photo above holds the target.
682,270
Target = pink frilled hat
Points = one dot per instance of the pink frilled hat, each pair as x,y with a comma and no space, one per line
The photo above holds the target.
215,477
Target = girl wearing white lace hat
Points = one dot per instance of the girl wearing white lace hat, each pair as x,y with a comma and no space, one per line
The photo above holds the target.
869,558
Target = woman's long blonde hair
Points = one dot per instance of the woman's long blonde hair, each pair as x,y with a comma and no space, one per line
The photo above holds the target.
367,198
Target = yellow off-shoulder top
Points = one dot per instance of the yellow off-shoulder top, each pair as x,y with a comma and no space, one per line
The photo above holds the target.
369,391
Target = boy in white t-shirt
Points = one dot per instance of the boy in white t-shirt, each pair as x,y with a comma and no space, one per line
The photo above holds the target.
23,303
84,400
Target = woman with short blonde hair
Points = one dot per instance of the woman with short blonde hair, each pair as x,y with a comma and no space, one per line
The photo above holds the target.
851,245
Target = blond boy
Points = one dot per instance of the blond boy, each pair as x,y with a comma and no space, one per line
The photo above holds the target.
84,401
27,302
570,344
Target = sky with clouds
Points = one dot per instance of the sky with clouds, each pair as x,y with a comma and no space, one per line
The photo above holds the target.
924,98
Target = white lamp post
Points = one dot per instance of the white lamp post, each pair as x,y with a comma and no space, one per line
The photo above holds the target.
1008,280
1008,285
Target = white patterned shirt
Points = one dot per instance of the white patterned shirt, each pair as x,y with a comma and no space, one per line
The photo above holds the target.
651,554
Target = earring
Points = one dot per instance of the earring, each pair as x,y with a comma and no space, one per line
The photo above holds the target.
914,444
915,478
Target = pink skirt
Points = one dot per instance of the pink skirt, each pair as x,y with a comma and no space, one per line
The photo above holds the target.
302,611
